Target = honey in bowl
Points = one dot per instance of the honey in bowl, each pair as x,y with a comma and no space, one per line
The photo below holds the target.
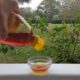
40,67
39,64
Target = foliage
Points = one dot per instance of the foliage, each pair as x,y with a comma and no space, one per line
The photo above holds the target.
49,8
69,8
62,45
62,40
39,23
22,1
27,12
5,48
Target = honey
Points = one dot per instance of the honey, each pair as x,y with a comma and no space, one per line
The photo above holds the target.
18,39
24,39
40,67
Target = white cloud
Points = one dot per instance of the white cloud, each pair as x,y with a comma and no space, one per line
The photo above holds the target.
33,4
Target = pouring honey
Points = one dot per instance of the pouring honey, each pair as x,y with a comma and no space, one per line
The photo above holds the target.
24,39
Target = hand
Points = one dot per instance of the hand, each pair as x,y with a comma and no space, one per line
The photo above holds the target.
8,21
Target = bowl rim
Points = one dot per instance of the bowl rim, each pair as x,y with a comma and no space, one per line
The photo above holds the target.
49,61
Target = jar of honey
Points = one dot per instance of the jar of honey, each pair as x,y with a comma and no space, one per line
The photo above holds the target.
24,39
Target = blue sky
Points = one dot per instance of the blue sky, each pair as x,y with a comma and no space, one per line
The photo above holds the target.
33,4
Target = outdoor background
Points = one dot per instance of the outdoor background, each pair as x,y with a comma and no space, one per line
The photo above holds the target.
58,23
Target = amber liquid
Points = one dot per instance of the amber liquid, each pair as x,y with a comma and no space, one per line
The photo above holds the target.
18,39
40,68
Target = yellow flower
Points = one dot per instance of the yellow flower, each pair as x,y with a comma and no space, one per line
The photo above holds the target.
38,43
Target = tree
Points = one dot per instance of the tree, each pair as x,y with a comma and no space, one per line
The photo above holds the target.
69,9
21,1
49,8
27,12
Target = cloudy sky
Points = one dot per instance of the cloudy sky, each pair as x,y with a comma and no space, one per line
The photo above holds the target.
33,4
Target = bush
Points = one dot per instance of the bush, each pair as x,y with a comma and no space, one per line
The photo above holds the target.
62,43
64,46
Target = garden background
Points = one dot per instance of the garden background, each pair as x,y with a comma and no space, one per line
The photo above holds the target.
58,23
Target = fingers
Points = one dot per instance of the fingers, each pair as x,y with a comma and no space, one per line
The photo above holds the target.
3,26
8,21
13,23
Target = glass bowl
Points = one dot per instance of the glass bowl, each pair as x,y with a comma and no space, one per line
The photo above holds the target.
39,64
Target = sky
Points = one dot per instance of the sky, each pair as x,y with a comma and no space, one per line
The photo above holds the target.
33,4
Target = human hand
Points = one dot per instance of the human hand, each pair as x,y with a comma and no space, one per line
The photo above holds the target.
8,21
